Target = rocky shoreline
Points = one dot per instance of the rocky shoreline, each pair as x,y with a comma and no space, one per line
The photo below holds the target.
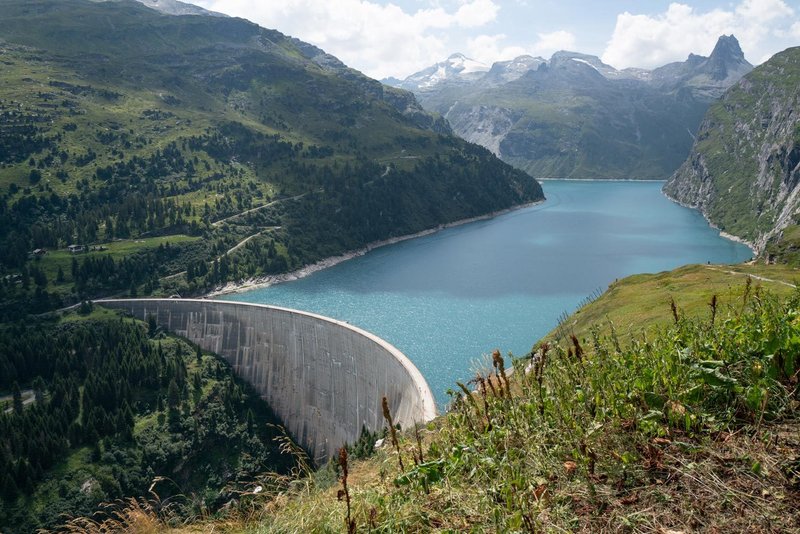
722,233
266,281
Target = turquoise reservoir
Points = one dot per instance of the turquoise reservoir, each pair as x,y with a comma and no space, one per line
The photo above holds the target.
449,298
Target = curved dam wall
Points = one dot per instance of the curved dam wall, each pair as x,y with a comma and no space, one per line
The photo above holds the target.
324,378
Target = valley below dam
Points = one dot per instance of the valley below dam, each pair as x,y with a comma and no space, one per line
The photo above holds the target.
448,299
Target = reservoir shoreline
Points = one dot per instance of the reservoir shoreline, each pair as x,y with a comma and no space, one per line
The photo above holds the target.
722,233
325,263
269,280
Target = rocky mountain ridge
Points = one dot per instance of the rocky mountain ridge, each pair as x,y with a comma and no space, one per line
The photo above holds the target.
573,116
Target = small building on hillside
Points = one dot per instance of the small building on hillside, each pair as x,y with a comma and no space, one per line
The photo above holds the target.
76,248
38,252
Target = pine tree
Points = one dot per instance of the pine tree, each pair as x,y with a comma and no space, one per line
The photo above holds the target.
152,326
38,388
251,421
8,488
17,396
197,387
173,395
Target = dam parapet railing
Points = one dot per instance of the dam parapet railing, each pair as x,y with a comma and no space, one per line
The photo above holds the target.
323,378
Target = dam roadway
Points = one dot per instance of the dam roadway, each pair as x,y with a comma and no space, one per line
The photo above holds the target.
323,378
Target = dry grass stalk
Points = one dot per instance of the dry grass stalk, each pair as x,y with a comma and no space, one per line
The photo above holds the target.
748,284
674,308
500,367
578,348
130,516
392,431
713,305
419,445
286,445
345,491
538,373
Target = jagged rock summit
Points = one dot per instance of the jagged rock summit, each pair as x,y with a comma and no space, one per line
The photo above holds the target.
707,77
727,60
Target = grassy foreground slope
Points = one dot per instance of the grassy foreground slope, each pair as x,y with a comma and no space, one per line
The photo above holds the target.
692,426
641,302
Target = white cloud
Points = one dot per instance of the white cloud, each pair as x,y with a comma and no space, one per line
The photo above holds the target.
553,42
651,41
762,11
476,13
379,39
490,48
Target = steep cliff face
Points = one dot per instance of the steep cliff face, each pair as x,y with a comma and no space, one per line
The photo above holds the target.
744,170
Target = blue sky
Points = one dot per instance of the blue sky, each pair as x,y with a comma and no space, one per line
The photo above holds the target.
396,38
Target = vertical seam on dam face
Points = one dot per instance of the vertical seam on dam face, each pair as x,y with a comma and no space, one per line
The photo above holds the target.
323,378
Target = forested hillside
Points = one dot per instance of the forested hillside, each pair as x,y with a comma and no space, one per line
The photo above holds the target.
110,407
142,137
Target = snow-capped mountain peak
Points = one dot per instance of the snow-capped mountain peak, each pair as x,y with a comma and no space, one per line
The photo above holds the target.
465,64
457,68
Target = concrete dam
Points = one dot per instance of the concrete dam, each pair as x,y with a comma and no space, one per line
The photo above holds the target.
324,378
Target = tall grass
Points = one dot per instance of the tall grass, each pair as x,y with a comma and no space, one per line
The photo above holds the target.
585,422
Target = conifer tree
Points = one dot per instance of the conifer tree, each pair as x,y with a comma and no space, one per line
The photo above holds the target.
173,395
251,421
17,398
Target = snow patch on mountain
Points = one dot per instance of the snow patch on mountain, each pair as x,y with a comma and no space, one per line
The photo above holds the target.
579,60
457,68
466,65
175,7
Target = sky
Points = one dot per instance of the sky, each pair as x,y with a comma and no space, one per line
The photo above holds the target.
385,38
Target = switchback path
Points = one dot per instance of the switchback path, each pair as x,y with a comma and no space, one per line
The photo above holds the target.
231,250
28,398
762,278
251,210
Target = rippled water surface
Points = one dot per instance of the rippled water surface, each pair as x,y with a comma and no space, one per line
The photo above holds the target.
448,298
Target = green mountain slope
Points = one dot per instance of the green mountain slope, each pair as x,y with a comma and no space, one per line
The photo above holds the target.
123,123
744,170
